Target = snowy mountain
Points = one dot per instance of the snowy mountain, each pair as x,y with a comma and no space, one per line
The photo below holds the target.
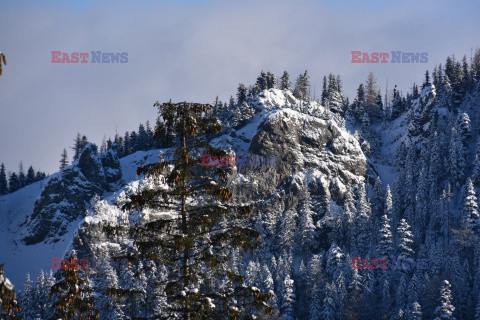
350,185
39,221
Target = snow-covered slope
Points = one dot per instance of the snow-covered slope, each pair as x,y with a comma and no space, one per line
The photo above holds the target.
16,210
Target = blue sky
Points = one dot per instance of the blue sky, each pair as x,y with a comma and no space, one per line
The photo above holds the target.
194,50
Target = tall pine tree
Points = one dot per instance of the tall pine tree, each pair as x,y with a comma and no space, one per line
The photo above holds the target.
3,180
197,227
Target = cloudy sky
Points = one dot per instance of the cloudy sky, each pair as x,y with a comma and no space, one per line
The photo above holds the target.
194,50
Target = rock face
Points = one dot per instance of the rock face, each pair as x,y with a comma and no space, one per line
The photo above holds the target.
310,150
65,197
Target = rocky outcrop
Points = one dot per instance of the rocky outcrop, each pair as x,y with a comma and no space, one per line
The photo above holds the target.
67,195
315,155
315,149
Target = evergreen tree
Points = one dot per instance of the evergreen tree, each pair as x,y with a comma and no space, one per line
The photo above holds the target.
426,82
378,199
40,176
261,82
106,284
355,297
21,176
72,293
252,274
328,310
363,221
302,87
446,309
315,306
324,97
63,159
79,144
30,178
470,206
134,142
241,94
127,146
26,300
43,303
405,240
196,240
386,300
3,180
288,299
415,312
271,81
359,102
103,146
385,245
372,104
150,135
388,202
456,159
285,83
13,182
398,104
142,138
307,228
335,262
464,127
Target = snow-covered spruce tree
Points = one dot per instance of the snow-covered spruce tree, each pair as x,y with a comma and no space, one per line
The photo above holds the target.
72,293
328,308
363,222
271,81
106,282
9,307
456,159
315,309
288,299
63,159
302,87
355,297
405,240
349,211
261,83
372,105
285,83
307,228
446,309
197,229
3,180
42,296
385,245
333,97
241,94
464,127
334,262
378,199
470,206
26,299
